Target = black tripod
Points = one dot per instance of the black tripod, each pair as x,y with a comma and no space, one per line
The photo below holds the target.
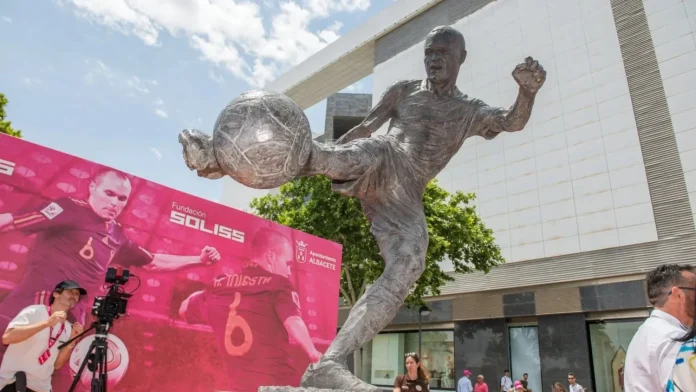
96,356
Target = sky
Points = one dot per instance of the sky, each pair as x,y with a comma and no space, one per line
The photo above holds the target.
116,81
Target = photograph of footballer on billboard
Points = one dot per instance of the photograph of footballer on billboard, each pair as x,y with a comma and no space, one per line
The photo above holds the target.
223,300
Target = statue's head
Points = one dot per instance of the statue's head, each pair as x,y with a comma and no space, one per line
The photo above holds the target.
445,52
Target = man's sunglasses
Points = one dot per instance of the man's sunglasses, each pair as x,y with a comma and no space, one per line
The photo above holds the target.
683,288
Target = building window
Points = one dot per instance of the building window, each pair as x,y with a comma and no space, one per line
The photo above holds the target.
609,341
524,356
383,357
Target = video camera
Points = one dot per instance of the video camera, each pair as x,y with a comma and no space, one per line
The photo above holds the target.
113,304
106,309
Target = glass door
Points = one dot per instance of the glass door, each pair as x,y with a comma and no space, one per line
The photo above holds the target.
524,356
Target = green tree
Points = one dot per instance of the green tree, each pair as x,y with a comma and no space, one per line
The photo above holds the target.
456,233
6,126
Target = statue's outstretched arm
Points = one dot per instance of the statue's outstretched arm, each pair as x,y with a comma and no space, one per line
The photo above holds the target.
530,75
380,114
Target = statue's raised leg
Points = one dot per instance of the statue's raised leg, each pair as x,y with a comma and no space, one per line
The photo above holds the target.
339,162
344,162
404,257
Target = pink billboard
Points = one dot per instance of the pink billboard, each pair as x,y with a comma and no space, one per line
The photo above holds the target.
223,300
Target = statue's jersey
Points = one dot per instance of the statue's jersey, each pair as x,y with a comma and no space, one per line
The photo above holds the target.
430,129
425,132
247,311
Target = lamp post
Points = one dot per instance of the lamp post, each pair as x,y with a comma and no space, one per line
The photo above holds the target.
423,311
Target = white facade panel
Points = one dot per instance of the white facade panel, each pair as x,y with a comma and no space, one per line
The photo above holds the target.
673,29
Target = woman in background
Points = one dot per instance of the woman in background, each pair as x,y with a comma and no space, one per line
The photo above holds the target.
415,379
558,387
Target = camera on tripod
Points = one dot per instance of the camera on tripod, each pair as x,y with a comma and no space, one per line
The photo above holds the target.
106,309
113,304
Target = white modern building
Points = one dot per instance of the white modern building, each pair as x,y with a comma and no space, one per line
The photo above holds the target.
599,188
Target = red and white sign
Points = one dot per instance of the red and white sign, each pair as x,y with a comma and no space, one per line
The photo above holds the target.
217,287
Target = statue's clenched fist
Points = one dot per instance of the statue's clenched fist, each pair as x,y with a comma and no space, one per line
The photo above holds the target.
530,75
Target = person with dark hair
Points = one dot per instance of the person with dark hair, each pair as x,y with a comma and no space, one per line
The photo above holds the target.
573,385
33,338
525,382
652,353
505,381
415,379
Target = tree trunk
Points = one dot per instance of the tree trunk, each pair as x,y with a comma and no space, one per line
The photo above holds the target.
357,363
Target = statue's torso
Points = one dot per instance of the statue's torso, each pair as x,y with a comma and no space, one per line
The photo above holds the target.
425,132
431,129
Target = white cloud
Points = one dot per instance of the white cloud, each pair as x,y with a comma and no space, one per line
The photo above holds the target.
325,7
7,19
131,85
233,34
158,102
136,84
157,153
98,71
352,88
32,81
161,113
217,78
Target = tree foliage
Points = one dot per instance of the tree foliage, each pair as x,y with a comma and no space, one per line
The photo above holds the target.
456,233
6,126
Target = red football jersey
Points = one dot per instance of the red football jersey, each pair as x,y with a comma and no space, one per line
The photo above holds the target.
247,311
74,243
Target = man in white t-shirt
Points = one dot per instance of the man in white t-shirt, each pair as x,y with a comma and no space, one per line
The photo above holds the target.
33,337
573,385
505,382
653,350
